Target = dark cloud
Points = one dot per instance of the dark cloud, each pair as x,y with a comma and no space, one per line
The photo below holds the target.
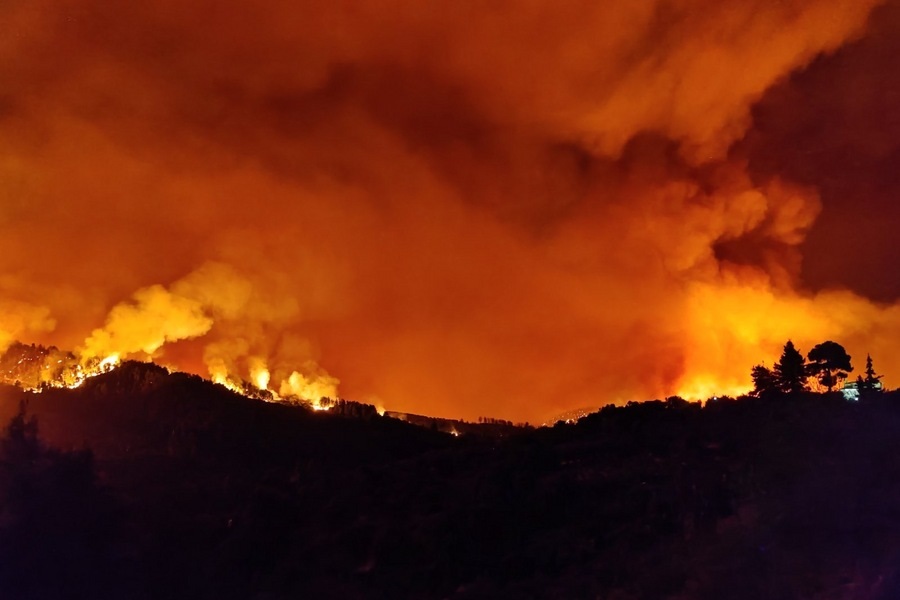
835,126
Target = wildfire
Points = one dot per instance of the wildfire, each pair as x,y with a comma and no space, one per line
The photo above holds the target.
314,392
259,374
108,363
704,387
35,368
192,308
441,227
81,373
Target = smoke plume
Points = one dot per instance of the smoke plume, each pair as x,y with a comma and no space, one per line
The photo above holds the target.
468,208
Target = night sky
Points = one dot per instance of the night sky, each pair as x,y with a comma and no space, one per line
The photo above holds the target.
506,209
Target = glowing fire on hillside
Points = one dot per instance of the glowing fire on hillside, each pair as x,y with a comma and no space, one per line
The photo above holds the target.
35,368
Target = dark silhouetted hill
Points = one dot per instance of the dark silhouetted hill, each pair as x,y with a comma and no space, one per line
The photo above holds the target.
213,495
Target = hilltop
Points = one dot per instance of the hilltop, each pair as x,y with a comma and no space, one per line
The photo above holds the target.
194,491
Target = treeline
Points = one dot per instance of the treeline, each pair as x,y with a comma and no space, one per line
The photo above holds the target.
493,421
61,532
827,366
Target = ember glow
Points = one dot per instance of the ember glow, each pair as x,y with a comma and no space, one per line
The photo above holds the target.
454,209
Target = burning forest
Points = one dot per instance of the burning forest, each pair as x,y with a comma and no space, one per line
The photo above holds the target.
34,368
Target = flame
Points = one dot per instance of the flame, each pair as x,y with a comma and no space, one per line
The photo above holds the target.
261,378
259,373
316,389
703,387
313,388
109,363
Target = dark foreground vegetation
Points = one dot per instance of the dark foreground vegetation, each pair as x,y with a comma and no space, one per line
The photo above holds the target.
165,486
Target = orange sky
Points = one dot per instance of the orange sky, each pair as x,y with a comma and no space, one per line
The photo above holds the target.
506,209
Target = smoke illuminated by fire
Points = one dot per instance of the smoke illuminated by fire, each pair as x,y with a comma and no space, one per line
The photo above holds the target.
459,209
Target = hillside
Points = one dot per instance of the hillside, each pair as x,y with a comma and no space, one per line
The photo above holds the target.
202,493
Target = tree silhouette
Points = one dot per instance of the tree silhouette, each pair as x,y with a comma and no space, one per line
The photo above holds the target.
871,382
57,532
20,445
829,363
790,370
764,380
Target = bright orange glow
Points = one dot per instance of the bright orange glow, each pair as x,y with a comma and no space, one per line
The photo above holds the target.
259,373
453,209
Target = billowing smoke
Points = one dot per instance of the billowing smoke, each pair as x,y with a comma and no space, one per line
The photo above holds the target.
154,318
460,209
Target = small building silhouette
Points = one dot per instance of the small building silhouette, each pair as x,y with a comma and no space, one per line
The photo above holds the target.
851,390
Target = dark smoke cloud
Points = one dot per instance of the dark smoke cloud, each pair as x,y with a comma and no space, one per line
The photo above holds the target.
835,126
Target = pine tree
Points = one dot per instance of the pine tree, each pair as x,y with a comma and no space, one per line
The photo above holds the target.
790,370
871,382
